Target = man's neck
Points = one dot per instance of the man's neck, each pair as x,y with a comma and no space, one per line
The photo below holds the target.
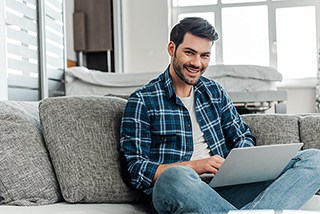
183,91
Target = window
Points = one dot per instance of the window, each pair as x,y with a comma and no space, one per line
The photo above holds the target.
239,1
296,41
34,58
193,2
245,35
277,33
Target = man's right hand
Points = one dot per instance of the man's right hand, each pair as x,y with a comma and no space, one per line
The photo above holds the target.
207,165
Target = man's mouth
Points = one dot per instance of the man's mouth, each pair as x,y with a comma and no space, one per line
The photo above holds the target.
192,69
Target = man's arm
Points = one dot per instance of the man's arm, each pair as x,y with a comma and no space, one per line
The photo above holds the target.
207,165
135,143
236,131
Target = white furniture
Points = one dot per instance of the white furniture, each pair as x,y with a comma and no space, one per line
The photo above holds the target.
251,88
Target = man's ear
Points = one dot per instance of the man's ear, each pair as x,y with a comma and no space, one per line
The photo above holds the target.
171,48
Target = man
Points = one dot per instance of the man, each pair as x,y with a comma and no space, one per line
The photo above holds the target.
181,125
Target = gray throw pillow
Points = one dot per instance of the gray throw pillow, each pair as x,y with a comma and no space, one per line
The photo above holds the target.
310,131
26,174
82,136
273,128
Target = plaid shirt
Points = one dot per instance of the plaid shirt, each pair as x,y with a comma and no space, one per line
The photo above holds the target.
156,127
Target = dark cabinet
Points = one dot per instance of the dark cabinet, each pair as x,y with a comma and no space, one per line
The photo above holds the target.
93,33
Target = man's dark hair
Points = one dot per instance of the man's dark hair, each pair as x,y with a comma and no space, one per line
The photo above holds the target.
196,26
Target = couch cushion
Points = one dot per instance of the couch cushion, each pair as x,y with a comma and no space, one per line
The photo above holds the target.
310,131
82,136
273,128
26,174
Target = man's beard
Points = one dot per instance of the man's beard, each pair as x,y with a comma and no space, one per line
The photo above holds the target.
178,69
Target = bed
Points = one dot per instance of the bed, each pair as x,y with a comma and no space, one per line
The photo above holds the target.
252,88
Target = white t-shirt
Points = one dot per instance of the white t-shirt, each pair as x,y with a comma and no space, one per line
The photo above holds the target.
200,146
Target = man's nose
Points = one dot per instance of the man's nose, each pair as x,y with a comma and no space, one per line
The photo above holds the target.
196,61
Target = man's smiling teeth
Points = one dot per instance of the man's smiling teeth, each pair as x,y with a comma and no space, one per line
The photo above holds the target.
192,70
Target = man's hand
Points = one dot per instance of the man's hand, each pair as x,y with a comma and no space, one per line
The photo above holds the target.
207,165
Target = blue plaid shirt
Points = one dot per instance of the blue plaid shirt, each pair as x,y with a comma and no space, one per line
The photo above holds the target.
156,127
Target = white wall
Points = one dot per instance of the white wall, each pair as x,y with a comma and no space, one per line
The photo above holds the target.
300,99
71,54
145,35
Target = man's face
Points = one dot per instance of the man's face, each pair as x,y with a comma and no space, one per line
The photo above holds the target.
190,59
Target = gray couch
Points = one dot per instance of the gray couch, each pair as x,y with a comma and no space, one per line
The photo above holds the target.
61,155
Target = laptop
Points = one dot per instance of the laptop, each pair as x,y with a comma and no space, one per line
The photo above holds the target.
254,164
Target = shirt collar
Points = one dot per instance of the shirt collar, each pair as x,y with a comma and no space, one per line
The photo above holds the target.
168,84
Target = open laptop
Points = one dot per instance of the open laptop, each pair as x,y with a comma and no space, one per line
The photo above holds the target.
254,164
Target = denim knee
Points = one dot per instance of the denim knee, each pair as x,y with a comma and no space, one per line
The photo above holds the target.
172,189
176,180
311,156
177,175
314,154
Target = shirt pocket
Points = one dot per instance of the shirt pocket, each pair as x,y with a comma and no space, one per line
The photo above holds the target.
165,144
164,139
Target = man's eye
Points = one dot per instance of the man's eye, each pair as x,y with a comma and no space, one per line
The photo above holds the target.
188,53
206,56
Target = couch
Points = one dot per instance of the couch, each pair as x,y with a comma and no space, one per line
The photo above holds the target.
61,155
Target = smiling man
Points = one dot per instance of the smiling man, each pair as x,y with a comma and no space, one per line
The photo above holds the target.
182,125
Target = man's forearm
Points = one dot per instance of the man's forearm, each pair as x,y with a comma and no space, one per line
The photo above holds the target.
163,167
207,165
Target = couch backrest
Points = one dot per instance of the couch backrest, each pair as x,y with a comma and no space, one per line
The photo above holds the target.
273,128
285,128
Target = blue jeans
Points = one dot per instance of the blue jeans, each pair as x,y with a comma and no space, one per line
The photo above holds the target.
180,190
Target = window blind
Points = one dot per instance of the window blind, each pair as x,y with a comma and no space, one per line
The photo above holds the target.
23,36
55,51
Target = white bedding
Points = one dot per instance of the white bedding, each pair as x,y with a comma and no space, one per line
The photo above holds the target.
232,84
244,72
234,78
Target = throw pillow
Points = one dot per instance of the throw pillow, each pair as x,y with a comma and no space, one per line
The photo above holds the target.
273,128
310,131
82,136
26,175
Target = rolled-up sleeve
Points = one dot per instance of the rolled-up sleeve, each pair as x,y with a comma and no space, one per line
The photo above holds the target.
135,143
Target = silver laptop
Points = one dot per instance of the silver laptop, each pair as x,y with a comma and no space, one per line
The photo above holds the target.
254,164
